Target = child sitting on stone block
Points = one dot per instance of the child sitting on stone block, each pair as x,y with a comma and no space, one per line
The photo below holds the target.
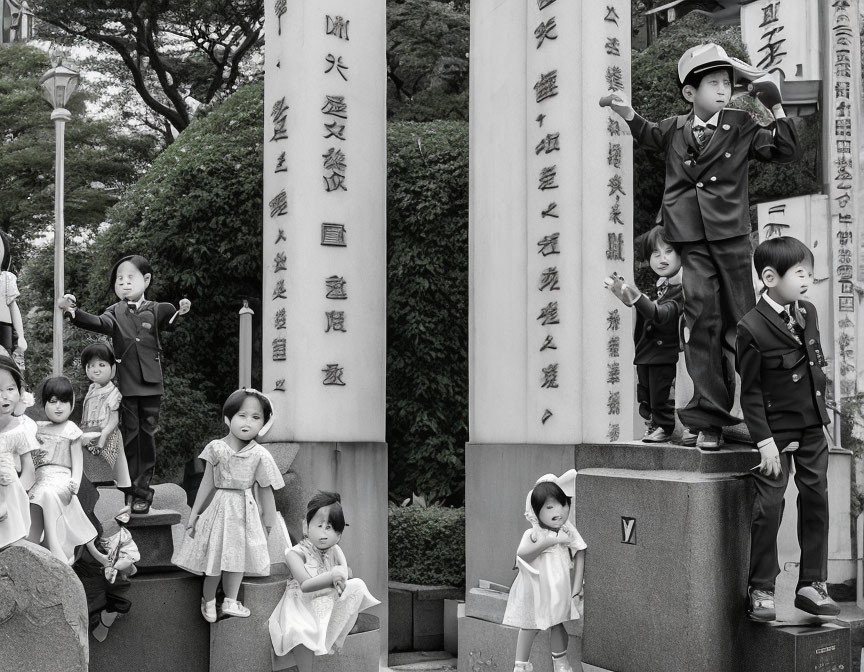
706,212
656,334
783,398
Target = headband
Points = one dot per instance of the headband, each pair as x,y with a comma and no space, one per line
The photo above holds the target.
567,482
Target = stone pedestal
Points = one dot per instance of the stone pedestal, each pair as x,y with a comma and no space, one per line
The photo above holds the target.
43,612
164,629
154,537
824,648
244,643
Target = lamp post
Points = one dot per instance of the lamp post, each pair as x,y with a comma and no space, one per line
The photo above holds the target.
59,83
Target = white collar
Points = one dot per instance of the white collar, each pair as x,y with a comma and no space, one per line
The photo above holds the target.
778,308
137,303
712,121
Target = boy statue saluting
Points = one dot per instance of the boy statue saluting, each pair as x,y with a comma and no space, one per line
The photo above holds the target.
706,213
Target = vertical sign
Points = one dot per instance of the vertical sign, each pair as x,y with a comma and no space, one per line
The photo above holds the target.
842,96
783,35
324,219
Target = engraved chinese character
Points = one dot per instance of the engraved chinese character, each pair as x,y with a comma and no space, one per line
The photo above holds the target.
843,127
543,4
279,385
550,211
550,376
841,90
549,314
539,120
615,212
335,321
280,262
546,31
770,13
548,343
335,286
334,181
338,27
335,106
616,183
548,144
615,246
613,373
279,319
547,413
280,164
279,290
547,178
613,157
279,114
843,109
773,54
546,86
613,127
333,234
280,236
613,320
335,130
844,238
279,204
280,8
843,165
549,279
614,432
338,64
334,160
613,346
844,146
279,349
613,403
613,46
614,78
611,15
548,245
333,374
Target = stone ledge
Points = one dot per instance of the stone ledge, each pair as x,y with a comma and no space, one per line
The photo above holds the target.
422,592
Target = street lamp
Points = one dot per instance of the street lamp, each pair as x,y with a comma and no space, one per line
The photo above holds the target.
59,83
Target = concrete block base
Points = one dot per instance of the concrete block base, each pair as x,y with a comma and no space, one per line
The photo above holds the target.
794,648
164,630
154,537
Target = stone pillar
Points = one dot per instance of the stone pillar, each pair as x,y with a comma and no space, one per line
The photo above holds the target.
551,350
324,279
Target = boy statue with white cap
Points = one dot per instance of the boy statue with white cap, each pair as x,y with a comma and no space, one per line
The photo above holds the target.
706,212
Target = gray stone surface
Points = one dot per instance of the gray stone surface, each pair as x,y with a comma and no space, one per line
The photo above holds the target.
490,647
672,601
401,630
97,470
244,643
153,533
361,652
487,605
768,648
43,612
163,631
452,610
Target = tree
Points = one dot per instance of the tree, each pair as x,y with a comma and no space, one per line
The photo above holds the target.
427,60
171,50
197,216
100,161
427,308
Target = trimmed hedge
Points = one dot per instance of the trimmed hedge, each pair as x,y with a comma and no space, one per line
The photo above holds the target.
427,545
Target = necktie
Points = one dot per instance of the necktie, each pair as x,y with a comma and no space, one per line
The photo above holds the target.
702,134
662,286
792,326
131,306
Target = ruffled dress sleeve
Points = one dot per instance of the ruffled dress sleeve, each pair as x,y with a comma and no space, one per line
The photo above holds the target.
577,543
23,437
209,453
267,473
71,431
113,399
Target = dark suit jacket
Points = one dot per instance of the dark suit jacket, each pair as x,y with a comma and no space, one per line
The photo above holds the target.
657,328
706,195
135,337
782,382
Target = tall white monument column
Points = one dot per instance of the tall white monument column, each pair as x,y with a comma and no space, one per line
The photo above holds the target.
324,284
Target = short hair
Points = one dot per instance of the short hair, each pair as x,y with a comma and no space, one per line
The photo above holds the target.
781,254
98,350
8,364
6,261
651,240
545,490
59,387
237,397
137,261
335,516
694,79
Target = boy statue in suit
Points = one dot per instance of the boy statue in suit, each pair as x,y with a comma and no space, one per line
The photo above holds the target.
783,397
706,213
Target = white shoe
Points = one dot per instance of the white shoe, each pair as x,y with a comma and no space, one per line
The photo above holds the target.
519,666
561,664
234,608
208,610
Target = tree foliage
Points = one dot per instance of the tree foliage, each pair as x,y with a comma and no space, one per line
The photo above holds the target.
427,60
197,216
99,161
171,50
656,96
427,307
